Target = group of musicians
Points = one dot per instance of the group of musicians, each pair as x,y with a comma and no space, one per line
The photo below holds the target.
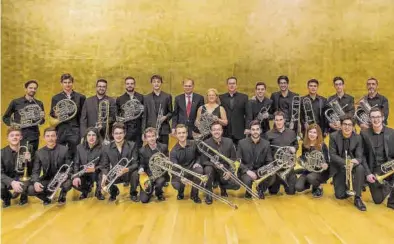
240,130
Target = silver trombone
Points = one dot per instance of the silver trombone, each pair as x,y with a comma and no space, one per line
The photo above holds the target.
103,119
84,168
57,181
115,172
308,111
159,120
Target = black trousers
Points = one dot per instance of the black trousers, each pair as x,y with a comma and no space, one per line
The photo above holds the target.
65,187
216,174
180,187
69,137
6,194
379,191
245,178
87,182
307,179
133,180
289,184
33,144
339,180
158,189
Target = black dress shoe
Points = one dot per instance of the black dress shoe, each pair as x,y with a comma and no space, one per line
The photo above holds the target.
317,192
112,198
196,199
208,200
260,193
83,195
62,198
100,196
46,201
248,195
134,198
114,192
223,193
161,197
6,203
23,200
359,204
180,196
15,195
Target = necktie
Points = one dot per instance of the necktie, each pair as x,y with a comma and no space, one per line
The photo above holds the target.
188,106
231,102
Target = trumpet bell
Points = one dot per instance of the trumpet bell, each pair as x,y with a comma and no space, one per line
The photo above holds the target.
145,183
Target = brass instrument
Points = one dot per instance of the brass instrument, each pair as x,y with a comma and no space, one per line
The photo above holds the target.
131,110
387,170
103,119
204,125
115,172
65,110
159,121
362,111
159,164
31,115
313,162
84,168
308,111
335,112
215,156
57,181
295,112
263,110
21,163
349,175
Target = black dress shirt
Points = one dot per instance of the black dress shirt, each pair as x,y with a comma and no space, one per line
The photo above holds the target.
79,100
253,155
185,156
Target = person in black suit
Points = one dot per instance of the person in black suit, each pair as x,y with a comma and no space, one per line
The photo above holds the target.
185,108
120,148
90,112
145,153
378,144
260,109
282,100
235,104
158,103
133,127
10,177
49,159
347,142
68,132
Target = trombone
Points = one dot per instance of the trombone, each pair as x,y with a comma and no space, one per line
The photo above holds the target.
21,162
159,121
308,111
57,181
103,118
349,175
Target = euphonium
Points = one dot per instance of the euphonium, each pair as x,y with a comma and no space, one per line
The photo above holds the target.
84,168
313,162
103,119
131,110
159,120
21,163
115,172
159,164
308,111
349,175
30,115
387,170
57,181
362,111
64,110
335,112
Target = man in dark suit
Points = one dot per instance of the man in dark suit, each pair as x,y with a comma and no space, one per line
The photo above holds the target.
90,112
133,127
235,104
282,100
378,149
346,142
185,108
158,110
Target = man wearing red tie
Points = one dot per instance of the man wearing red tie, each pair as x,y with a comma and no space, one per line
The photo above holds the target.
186,106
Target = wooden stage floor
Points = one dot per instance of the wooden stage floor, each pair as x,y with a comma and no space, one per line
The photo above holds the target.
277,219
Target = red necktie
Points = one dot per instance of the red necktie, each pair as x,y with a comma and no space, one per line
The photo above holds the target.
188,106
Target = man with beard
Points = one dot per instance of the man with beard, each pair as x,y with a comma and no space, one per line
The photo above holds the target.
91,115
344,100
254,153
374,99
282,100
259,109
12,115
68,131
378,149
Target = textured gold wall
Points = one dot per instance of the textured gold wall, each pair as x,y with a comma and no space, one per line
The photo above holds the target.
206,40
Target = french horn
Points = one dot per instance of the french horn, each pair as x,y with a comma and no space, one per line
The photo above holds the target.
64,110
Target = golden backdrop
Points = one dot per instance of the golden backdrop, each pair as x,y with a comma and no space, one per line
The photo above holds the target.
205,40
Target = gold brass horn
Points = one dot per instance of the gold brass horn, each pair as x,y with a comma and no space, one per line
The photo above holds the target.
349,175
31,115
387,170
131,110
64,110
313,162
21,163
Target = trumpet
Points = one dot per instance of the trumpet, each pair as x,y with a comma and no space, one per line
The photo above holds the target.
362,111
103,119
131,110
313,163
387,170
159,120
84,168
31,115
21,163
335,112
159,164
57,181
215,156
308,110
349,175
65,110
115,172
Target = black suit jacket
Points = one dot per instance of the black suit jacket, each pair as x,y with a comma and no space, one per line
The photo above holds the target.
84,155
8,172
89,114
132,126
150,112
180,114
41,161
253,159
110,156
276,106
79,100
226,148
369,150
236,116
336,148
145,153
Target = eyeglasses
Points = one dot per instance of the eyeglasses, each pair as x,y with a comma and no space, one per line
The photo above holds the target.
376,117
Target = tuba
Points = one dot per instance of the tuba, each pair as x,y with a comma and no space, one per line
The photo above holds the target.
313,162
349,175
21,163
362,112
335,112
84,168
215,156
64,110
31,115
387,170
159,122
131,110
115,173
308,111
159,164
103,119
57,181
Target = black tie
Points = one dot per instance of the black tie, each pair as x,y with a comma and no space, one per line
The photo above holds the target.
231,102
